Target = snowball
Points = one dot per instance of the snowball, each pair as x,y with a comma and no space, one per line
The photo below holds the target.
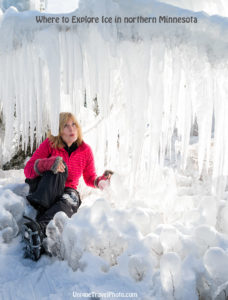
11,212
216,263
170,239
5,219
138,267
73,250
204,237
103,184
170,272
54,241
208,206
60,220
141,219
8,234
12,10
156,218
99,210
152,241
221,292
223,220
12,203
119,193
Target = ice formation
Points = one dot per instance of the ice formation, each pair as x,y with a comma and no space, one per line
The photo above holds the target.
149,82
12,209
209,6
140,91
22,5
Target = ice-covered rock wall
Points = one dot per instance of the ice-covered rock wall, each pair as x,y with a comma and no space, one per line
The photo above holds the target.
23,5
151,82
211,7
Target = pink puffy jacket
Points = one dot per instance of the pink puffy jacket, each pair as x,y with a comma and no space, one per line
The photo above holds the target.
80,162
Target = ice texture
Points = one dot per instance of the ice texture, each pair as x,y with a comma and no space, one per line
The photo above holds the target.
152,101
138,89
11,212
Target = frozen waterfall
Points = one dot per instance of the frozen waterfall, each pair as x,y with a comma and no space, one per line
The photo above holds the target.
150,82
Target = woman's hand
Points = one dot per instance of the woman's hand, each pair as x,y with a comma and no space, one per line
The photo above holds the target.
108,174
102,181
53,163
61,167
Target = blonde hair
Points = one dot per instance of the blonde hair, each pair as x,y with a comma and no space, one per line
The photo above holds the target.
57,141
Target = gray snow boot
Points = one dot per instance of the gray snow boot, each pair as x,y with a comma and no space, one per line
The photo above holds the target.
32,236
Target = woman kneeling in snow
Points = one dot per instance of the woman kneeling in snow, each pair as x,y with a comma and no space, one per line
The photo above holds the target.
53,174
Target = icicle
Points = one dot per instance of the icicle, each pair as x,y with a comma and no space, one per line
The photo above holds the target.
149,82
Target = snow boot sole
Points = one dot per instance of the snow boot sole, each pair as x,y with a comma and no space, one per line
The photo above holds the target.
32,238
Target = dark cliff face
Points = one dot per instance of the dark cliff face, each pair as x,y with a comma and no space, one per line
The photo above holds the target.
19,158
17,161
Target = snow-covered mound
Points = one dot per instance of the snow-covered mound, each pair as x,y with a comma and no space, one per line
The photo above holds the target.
10,213
171,245
12,208
187,255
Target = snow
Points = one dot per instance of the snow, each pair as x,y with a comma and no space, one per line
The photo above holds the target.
22,4
58,6
209,6
107,247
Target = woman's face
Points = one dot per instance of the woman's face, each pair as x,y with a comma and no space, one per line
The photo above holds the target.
69,133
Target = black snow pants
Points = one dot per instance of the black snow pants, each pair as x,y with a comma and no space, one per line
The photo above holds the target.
49,195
